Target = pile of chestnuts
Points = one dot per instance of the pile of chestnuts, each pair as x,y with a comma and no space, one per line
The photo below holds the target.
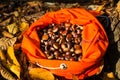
62,41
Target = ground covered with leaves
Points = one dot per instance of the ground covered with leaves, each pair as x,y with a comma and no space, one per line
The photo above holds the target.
17,16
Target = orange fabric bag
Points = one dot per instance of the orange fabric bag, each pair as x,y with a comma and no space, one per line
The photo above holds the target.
94,43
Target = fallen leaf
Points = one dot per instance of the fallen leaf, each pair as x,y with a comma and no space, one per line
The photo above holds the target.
40,74
6,74
15,66
11,54
2,56
16,70
110,75
24,26
5,22
6,42
6,34
99,8
118,6
34,3
93,7
12,28
16,14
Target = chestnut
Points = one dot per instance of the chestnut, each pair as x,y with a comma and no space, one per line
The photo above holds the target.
78,31
46,43
50,42
74,34
77,46
63,55
56,45
64,32
54,37
68,53
50,34
56,53
67,25
47,47
73,27
50,30
45,37
62,41
78,51
55,29
72,49
79,58
61,58
52,48
81,27
60,50
64,47
77,40
41,41
72,59
58,40
46,52
69,37
51,56
67,57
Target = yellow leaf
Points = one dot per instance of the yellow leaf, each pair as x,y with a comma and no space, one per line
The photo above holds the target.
2,56
100,8
14,66
24,26
12,28
6,74
110,75
10,52
40,74
118,6
16,70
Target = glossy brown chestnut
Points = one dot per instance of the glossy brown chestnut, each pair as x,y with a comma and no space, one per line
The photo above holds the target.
45,37
56,45
62,41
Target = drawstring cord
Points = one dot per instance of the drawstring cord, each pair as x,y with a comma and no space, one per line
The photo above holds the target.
62,66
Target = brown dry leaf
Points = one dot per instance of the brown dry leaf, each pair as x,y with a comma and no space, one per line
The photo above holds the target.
6,34
5,22
40,74
16,14
24,26
4,73
34,3
6,42
12,28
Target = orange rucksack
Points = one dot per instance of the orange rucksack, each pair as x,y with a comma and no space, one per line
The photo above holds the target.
94,44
